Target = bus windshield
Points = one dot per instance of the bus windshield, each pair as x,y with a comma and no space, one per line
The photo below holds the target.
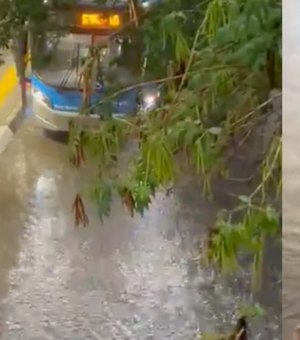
58,60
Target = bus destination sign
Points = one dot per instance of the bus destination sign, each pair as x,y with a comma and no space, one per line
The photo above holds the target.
99,21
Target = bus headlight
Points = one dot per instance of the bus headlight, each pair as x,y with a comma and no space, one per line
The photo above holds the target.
41,98
150,100
146,4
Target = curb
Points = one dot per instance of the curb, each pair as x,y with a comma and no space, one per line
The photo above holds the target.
8,130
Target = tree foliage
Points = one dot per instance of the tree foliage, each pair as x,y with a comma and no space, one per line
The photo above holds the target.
15,15
216,62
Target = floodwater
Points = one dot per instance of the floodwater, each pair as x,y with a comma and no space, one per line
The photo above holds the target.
123,279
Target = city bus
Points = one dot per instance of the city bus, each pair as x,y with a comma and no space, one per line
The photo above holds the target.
57,59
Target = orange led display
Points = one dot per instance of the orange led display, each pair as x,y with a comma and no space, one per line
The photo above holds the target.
100,21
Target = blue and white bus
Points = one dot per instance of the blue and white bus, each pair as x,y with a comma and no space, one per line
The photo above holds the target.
56,60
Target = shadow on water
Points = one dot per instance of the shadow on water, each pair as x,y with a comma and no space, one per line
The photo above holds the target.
61,137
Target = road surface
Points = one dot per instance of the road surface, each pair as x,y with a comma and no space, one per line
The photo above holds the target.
123,279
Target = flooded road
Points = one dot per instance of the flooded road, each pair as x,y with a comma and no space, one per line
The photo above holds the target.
123,279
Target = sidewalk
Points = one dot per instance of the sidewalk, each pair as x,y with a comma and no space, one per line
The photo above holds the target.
10,100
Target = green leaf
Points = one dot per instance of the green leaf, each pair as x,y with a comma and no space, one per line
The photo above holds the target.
101,193
142,195
246,200
251,310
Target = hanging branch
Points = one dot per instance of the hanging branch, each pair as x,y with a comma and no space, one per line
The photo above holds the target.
78,156
88,76
240,332
134,12
127,200
77,142
85,81
81,217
